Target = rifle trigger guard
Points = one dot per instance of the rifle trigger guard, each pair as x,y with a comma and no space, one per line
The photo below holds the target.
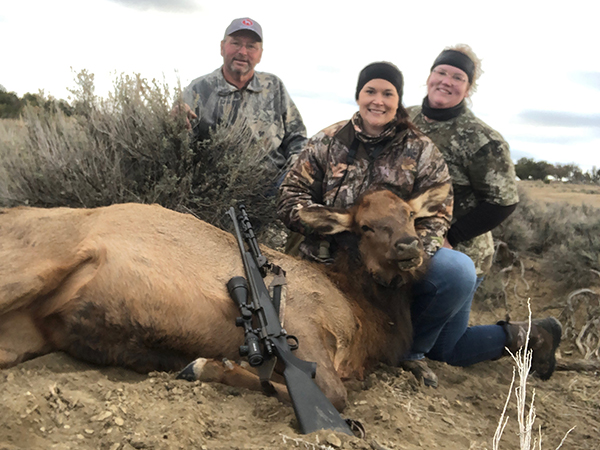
294,342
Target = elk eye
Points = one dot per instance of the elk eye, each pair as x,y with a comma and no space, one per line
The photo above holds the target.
412,214
366,228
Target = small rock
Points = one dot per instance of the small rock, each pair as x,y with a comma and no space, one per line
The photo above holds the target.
448,421
384,416
88,431
333,440
115,446
119,422
102,416
137,443
377,446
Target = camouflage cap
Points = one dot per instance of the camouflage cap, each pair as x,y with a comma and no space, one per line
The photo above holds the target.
245,23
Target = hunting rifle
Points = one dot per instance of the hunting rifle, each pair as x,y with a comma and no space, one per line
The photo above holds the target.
268,340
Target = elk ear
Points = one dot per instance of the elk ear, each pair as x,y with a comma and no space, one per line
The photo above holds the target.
326,220
429,202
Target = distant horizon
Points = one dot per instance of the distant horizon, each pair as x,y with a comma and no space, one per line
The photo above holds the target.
516,154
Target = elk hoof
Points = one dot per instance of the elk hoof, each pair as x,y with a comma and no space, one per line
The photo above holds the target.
193,370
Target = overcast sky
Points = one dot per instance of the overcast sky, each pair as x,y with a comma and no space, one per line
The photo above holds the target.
540,87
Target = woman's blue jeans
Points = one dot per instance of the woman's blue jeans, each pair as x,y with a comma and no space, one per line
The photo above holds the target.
440,314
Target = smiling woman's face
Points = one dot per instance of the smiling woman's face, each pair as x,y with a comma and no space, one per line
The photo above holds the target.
377,104
447,86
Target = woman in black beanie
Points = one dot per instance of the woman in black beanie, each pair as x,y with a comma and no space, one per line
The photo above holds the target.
378,148
485,194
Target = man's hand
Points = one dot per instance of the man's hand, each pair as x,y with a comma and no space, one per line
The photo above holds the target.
184,108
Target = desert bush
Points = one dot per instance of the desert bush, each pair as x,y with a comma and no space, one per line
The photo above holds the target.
566,237
130,147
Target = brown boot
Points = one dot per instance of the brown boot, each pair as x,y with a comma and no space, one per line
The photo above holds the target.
543,340
421,371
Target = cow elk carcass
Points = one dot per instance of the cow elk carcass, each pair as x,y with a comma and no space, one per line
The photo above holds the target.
144,287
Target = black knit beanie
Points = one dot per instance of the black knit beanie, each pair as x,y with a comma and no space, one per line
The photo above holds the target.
456,59
384,70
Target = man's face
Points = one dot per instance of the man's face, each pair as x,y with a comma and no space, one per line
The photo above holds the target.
241,51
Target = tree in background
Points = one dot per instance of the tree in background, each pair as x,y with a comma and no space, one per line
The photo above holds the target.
528,169
11,106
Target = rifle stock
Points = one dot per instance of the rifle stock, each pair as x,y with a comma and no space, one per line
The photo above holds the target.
313,409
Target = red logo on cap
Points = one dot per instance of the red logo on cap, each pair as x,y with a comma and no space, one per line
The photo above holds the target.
247,22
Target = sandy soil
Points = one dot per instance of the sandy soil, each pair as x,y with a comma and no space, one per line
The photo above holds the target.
59,403
56,402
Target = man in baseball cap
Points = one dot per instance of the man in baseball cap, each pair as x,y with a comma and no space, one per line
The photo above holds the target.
241,49
235,92
245,23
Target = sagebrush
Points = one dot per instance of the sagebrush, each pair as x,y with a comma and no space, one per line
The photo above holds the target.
132,147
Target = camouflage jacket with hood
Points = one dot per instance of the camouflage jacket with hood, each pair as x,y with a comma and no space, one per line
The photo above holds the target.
481,169
264,105
406,163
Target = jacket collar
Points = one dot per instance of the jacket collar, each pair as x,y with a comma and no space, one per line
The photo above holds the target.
224,88
346,134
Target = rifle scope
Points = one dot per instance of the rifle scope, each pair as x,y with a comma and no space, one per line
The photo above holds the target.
238,290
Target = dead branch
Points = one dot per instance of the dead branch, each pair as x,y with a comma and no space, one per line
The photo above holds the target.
578,365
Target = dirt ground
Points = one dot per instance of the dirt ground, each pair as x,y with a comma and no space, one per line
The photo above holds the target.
56,402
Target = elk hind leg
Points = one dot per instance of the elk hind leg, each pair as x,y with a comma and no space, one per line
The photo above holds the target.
231,374
20,339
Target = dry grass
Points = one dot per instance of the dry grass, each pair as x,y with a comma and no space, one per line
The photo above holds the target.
556,192
550,250
525,415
